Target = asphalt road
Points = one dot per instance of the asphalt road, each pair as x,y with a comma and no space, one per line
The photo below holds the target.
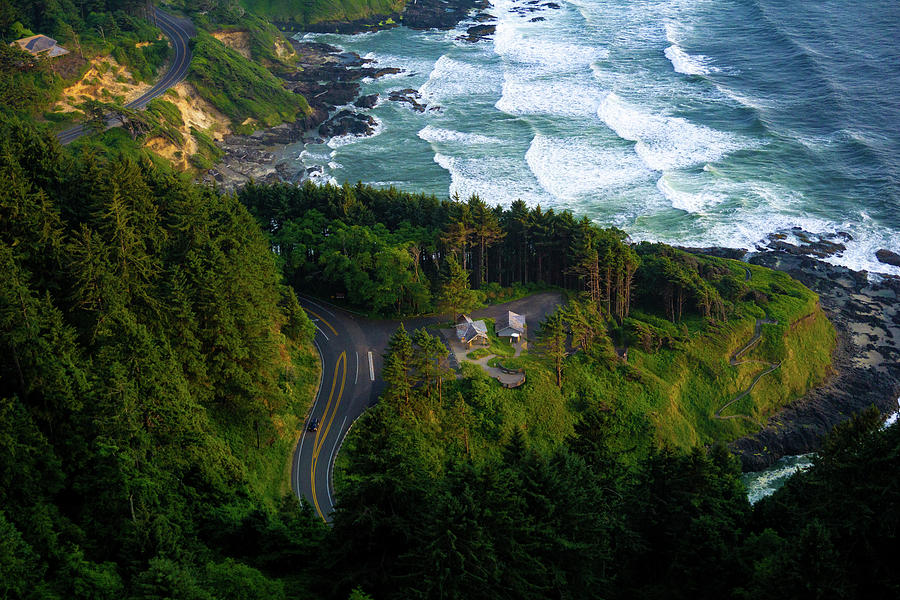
348,386
179,31
351,348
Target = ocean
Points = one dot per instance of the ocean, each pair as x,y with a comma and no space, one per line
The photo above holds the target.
694,122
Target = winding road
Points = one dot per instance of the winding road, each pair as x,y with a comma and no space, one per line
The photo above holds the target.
179,31
348,386
351,348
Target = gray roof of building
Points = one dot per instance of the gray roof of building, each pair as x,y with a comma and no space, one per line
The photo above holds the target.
467,329
514,321
38,43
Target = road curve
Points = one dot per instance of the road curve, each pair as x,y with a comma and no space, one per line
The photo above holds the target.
351,349
179,31
348,386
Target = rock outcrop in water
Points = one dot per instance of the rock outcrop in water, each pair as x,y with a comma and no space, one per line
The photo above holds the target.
411,98
347,122
888,257
328,78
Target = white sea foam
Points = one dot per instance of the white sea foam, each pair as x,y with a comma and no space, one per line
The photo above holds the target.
437,135
767,208
684,63
320,177
892,418
451,77
569,168
860,252
671,32
692,201
546,97
495,180
512,43
765,483
665,142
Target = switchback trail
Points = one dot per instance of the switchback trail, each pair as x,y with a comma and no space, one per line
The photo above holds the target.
735,361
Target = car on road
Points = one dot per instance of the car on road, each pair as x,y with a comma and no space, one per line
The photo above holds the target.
313,425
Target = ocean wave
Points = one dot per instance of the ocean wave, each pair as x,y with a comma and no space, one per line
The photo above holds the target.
765,208
513,44
451,77
320,177
664,142
765,483
683,199
560,98
686,64
568,169
495,180
439,135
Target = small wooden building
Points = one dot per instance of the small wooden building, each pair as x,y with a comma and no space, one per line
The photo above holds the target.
512,326
471,332
40,45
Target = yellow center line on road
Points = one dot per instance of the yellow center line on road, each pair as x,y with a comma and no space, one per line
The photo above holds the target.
342,360
322,433
319,317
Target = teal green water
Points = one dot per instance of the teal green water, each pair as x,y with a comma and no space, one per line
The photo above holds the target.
691,122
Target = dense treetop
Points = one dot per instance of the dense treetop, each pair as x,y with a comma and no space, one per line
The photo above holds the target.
150,358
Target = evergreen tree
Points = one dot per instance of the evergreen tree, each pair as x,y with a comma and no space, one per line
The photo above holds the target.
455,296
397,366
552,342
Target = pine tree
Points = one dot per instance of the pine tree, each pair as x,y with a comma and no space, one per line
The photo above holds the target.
397,366
486,232
455,296
552,342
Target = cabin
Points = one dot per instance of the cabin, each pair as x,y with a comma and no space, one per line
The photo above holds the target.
511,326
40,45
471,332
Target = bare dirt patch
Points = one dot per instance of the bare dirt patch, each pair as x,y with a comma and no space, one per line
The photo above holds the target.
195,112
105,80
239,41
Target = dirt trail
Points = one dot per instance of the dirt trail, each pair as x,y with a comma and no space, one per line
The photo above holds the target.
734,361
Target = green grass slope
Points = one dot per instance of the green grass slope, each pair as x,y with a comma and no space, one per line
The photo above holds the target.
308,12
679,389
243,90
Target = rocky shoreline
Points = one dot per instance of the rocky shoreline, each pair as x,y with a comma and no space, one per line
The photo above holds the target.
329,78
866,368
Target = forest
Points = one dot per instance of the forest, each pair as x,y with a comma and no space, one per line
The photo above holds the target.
679,315
392,248
154,373
156,366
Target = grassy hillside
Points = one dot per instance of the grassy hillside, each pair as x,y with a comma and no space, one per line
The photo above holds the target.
307,12
679,389
241,89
